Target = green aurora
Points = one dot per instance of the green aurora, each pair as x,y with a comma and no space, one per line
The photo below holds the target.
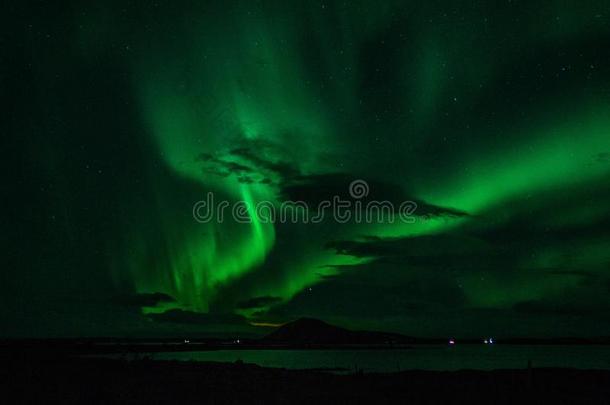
494,118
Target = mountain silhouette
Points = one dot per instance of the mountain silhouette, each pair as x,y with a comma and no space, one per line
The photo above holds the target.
315,331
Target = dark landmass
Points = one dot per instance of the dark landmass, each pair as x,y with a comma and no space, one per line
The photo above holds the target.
304,333
314,331
68,380
60,371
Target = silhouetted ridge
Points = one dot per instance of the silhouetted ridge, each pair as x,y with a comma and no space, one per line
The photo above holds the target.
315,331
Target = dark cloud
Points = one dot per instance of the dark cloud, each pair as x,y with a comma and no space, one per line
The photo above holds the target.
197,318
221,167
250,163
258,302
281,169
316,188
429,253
416,246
144,300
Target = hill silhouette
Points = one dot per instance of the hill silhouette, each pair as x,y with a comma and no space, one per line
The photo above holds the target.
315,331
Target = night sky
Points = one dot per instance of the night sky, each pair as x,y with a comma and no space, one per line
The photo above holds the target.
494,117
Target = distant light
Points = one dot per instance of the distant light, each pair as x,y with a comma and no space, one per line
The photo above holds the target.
187,341
491,341
237,341
451,341
486,341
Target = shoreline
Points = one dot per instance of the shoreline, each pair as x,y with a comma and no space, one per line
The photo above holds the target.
97,380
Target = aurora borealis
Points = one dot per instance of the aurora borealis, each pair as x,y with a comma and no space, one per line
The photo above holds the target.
493,116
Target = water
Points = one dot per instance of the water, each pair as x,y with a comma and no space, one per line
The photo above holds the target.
437,357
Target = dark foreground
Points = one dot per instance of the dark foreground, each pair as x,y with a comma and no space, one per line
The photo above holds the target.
74,380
